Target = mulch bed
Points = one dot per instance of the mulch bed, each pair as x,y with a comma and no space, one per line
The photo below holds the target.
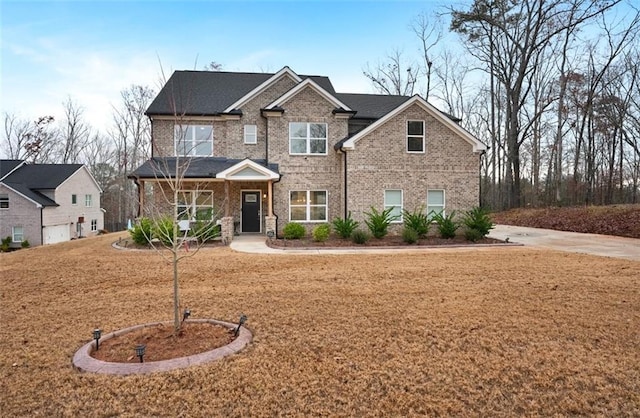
390,241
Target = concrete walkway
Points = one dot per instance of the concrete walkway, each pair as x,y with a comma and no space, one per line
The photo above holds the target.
602,245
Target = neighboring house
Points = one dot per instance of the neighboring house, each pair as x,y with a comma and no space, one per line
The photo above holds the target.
48,203
266,149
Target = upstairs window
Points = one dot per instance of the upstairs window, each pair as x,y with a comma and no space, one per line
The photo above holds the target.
435,202
308,205
250,134
393,199
194,140
88,200
74,199
4,201
415,136
307,138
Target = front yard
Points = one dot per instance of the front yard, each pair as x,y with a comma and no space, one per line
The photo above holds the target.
490,331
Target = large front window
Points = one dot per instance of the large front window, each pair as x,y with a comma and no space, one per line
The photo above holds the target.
195,205
194,140
308,206
307,138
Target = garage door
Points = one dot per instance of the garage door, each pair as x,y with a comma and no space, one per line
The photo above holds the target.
56,233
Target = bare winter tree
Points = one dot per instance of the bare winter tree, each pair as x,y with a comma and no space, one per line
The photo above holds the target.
73,134
394,76
26,140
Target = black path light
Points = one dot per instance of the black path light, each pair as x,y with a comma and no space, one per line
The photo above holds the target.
243,319
140,348
97,333
186,314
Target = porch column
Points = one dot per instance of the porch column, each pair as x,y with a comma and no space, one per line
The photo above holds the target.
227,205
270,220
270,197
141,198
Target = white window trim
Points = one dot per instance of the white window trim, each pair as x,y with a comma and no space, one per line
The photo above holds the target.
386,205
13,234
308,139
88,200
444,201
416,136
94,225
308,207
253,134
193,206
177,131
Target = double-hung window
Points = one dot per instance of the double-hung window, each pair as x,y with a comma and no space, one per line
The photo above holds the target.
88,200
194,140
435,202
393,200
307,138
4,201
415,136
250,134
94,225
17,234
195,205
308,206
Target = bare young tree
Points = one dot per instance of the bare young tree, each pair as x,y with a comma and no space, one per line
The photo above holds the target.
394,76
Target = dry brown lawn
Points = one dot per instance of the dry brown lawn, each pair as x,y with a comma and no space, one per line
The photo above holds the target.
479,332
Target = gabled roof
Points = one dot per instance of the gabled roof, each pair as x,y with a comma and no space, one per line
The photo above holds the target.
7,166
211,93
286,71
29,179
371,106
301,86
196,167
36,197
478,146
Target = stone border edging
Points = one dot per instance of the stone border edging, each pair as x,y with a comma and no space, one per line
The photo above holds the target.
83,361
395,247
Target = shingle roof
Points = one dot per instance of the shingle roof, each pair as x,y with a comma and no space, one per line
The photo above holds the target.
371,106
196,167
200,93
7,165
30,178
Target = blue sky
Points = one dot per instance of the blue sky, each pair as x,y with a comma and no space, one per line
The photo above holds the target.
90,51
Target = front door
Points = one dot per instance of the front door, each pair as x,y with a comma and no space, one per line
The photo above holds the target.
251,211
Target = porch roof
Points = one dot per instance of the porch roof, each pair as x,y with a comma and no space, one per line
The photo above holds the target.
194,167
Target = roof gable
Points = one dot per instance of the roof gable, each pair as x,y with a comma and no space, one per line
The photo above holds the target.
8,166
478,146
162,168
42,176
247,170
308,83
284,72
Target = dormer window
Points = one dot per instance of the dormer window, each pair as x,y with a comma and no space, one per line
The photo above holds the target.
193,140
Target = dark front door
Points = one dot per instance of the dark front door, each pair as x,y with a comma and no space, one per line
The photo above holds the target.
250,211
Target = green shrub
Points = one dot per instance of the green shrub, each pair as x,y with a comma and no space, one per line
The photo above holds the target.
417,220
293,230
205,231
447,227
473,235
378,222
163,230
345,227
478,219
141,231
321,232
410,236
5,244
359,236
25,244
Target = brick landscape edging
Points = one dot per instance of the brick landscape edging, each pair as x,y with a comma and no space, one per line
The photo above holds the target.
83,361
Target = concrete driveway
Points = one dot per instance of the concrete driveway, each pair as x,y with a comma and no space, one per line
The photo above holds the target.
604,245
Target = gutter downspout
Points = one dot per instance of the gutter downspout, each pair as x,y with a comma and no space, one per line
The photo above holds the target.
344,215
41,226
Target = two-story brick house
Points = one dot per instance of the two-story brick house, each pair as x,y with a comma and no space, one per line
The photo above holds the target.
48,203
266,149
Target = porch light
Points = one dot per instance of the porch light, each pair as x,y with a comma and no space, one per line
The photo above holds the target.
97,333
186,314
243,319
140,348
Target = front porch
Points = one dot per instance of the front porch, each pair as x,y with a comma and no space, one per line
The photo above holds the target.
239,197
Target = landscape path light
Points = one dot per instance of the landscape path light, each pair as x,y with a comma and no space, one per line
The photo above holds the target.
243,319
97,333
140,348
